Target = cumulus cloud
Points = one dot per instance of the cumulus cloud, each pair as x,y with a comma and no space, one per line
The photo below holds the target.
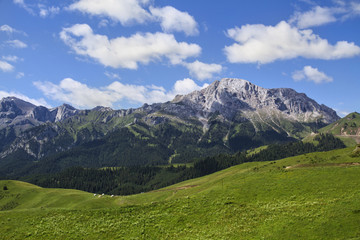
79,94
315,17
264,44
128,52
133,11
186,86
173,20
6,67
83,96
318,15
37,102
16,43
123,11
202,70
309,73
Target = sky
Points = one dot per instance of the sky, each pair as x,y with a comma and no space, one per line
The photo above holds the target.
124,53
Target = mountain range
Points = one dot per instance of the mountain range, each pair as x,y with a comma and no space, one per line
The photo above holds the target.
227,116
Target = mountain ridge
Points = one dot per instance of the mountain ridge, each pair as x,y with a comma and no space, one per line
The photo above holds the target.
247,96
228,116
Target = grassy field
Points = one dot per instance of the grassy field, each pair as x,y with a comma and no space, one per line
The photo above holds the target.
313,196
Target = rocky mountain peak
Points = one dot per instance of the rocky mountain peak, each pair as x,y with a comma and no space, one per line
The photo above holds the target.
62,112
15,106
232,96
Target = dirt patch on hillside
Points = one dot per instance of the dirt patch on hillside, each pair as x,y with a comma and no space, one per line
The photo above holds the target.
324,165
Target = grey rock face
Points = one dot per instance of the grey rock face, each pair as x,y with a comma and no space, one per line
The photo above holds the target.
22,115
62,112
231,96
17,113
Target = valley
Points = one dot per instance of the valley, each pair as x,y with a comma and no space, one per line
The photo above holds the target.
272,200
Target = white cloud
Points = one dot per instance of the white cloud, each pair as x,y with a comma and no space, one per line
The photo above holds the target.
315,17
45,11
133,11
264,44
103,23
7,29
202,70
11,58
33,8
124,11
354,10
173,20
82,96
355,6
16,43
186,86
112,75
311,74
76,93
128,52
37,102
10,30
22,4
318,15
6,67
20,75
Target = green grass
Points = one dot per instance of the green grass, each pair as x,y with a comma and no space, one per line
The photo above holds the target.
252,152
347,129
312,196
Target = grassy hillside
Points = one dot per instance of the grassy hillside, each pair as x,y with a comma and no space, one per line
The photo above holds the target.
347,129
312,196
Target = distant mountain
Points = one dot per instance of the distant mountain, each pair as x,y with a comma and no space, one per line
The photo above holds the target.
22,115
227,116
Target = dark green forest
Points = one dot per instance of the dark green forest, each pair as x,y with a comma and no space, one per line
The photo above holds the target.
137,179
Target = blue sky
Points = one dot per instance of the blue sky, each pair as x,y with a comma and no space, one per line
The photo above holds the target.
123,53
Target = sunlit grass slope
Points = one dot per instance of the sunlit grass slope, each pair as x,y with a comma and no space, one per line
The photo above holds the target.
313,196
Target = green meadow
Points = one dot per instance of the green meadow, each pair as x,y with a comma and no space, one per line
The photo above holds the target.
312,196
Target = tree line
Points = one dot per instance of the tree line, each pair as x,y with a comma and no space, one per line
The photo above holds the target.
137,179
